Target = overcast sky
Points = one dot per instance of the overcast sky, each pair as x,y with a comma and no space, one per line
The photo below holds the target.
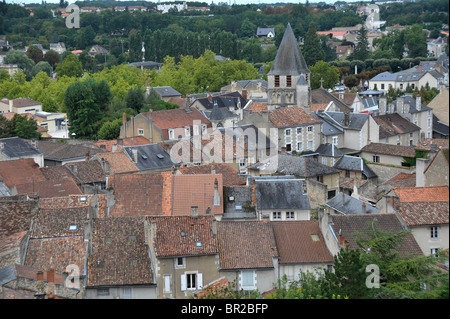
207,1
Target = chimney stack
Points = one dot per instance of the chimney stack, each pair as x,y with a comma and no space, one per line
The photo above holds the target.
10,106
194,211
400,105
51,275
363,208
382,107
346,118
244,94
418,102
40,275
343,198
134,155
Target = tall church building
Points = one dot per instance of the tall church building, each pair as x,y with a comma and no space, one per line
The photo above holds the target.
289,78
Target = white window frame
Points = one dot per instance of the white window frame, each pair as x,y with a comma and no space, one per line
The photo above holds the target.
324,161
310,128
167,284
186,281
334,140
310,145
290,215
376,158
301,146
171,134
287,132
298,130
140,131
276,215
245,277
434,232
204,128
187,131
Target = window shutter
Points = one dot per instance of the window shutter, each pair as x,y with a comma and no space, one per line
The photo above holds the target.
199,281
183,282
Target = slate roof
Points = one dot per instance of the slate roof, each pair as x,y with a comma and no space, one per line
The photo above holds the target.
322,96
281,194
128,141
15,147
407,99
389,149
219,113
61,152
328,129
356,120
301,242
300,166
291,116
351,225
393,124
346,204
120,256
264,31
229,100
440,127
329,150
289,59
354,163
246,245
182,235
166,91
150,156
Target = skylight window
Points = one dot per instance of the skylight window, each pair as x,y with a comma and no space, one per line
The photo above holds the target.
198,244
73,227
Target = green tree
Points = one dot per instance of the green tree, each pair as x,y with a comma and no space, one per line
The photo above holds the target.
52,57
35,54
135,99
110,130
22,61
322,71
24,128
42,66
70,67
415,41
312,49
361,51
6,127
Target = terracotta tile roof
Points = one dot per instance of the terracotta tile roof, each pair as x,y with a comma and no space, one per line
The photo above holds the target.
22,102
11,241
301,242
229,176
15,216
351,225
402,180
51,188
184,236
246,245
87,172
389,149
70,201
214,287
257,107
20,171
291,116
60,151
429,142
58,172
142,194
56,253
196,190
120,255
318,107
393,124
52,223
423,213
118,162
349,98
128,141
423,194
174,118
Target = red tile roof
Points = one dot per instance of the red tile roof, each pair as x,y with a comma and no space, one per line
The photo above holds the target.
118,162
11,241
257,107
141,194
402,180
196,190
423,194
230,176
120,255
128,141
291,116
428,142
15,216
301,242
423,213
246,245
184,236
389,149
51,188
20,171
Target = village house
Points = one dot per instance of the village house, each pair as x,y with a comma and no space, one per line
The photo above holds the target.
281,198
433,171
239,203
423,210
341,231
20,105
346,204
265,32
327,154
184,252
249,89
248,254
16,148
301,248
165,125
119,265
440,105
387,154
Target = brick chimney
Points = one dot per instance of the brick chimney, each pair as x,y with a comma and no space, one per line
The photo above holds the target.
363,208
51,275
40,275
346,118
244,94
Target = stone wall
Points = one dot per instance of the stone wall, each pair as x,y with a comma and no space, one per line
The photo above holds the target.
386,172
